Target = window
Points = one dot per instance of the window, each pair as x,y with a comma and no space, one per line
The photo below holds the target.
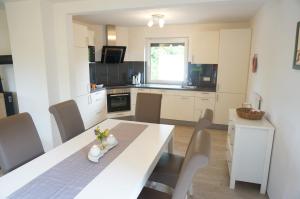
167,61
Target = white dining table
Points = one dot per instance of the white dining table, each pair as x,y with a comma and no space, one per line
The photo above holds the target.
124,177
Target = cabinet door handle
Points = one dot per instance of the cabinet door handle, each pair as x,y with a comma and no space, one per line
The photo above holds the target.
218,87
88,87
217,97
204,99
184,98
90,99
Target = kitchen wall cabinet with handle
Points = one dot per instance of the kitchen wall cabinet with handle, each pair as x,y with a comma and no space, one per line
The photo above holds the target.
205,47
91,38
80,35
234,56
79,70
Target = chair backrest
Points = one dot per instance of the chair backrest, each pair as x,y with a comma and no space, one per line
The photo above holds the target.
19,141
204,121
68,119
147,107
196,158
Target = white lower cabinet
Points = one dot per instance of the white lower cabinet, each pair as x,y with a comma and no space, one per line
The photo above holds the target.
179,105
224,102
93,108
249,147
202,103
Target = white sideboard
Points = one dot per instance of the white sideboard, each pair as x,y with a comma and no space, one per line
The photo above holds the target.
249,147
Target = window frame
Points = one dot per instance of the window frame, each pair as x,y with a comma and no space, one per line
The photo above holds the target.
166,40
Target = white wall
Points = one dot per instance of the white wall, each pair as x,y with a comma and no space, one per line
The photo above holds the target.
6,71
30,63
274,33
4,34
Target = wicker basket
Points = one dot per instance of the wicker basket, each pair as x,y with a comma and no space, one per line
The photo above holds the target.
249,114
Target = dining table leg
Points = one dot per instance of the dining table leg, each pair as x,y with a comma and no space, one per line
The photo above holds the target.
170,146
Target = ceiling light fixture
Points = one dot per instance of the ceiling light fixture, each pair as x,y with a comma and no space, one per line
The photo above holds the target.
150,23
157,18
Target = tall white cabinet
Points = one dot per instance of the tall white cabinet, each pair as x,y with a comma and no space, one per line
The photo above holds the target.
92,106
234,53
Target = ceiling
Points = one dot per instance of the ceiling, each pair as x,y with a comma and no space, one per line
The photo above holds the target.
208,12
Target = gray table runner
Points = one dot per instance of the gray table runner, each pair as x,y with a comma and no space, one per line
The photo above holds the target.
70,176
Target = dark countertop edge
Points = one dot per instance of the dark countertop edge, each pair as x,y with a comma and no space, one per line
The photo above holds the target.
162,87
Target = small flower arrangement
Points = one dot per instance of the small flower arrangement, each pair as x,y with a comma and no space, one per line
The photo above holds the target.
101,136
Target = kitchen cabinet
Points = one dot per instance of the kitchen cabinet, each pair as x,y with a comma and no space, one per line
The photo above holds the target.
2,106
92,108
205,47
224,102
79,70
248,150
91,38
80,35
234,55
205,101
179,105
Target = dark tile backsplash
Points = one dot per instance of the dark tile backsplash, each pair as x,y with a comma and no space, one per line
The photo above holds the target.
203,75
115,74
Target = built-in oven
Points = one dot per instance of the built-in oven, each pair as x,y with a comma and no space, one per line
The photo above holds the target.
118,100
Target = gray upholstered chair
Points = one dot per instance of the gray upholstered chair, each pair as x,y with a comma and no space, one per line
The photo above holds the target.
68,119
147,107
196,158
169,165
19,141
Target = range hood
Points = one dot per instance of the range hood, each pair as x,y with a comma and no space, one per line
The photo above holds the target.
112,54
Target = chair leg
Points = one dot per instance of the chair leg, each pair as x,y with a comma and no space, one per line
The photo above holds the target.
190,192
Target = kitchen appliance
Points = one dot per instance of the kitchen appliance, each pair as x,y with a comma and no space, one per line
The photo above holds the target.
91,53
136,79
118,100
111,53
9,103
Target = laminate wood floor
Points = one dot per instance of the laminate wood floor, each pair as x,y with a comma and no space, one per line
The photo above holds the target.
212,182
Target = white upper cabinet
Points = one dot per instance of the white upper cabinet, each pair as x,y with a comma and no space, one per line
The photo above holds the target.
80,75
205,47
91,36
80,35
234,53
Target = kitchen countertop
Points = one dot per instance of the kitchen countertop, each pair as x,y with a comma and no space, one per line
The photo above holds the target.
158,86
